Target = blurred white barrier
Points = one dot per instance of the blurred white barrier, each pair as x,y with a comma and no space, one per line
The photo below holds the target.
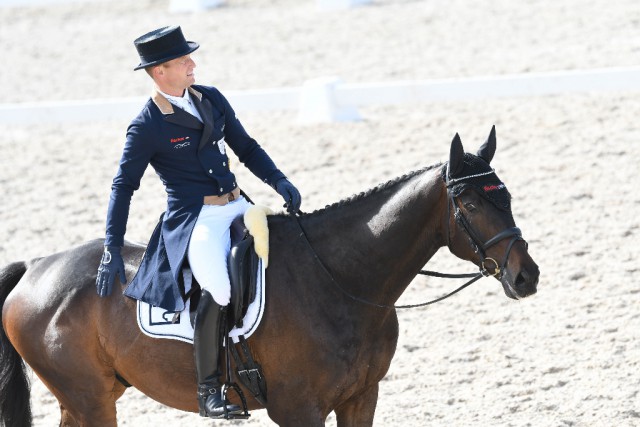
128,108
318,102
39,3
178,6
328,99
339,4
70,111
606,79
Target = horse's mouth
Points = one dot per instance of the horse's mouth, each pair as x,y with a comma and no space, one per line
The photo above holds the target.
509,291
523,286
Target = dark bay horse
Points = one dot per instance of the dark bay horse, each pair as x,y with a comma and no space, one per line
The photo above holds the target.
320,349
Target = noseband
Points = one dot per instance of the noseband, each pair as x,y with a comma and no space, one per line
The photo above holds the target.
480,248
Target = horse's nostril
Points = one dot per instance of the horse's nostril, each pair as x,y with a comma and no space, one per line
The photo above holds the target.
526,282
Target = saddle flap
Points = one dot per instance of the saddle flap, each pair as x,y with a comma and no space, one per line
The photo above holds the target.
243,274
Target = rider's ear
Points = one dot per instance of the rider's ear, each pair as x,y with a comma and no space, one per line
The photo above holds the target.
488,149
456,157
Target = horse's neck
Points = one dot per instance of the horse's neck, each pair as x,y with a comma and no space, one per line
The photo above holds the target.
378,243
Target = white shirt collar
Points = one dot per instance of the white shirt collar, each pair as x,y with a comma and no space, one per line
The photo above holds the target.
179,100
184,102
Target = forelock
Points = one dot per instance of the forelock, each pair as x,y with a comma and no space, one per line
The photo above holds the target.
477,174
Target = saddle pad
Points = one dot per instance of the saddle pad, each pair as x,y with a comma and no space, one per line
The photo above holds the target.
157,322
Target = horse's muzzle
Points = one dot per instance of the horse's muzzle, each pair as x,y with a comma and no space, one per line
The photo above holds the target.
523,285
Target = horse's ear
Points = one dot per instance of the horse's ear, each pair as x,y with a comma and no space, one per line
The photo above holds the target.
488,149
456,157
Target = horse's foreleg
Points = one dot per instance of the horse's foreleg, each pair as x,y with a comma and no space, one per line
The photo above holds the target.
359,410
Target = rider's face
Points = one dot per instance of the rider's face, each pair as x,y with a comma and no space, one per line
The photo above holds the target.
175,76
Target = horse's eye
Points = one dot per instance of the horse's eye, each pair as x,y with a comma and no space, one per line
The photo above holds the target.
470,207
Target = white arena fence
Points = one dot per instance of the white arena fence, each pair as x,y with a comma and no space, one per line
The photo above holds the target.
189,6
329,99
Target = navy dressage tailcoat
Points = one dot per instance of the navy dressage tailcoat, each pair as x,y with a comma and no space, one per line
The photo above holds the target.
190,158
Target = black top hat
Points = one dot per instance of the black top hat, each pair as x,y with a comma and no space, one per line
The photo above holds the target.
162,45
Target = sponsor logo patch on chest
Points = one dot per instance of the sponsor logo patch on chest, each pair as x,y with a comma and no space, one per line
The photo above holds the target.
178,139
180,142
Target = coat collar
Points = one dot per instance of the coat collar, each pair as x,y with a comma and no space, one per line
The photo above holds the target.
203,105
163,103
177,115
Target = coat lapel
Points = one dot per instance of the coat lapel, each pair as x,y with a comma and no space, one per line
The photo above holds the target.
206,112
175,115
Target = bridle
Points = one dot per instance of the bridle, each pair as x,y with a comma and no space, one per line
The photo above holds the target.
480,248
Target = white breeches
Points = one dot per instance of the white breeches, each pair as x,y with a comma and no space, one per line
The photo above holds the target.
209,247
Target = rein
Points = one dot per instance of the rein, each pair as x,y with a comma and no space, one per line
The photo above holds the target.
476,277
480,248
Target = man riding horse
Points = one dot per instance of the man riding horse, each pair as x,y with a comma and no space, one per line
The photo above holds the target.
181,132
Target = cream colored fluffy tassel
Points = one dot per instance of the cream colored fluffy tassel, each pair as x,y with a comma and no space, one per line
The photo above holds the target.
255,219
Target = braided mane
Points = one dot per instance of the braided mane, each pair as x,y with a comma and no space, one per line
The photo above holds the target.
376,189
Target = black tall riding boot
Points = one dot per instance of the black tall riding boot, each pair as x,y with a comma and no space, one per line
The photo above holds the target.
207,340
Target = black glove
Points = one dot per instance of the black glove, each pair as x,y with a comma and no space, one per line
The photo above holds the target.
290,194
111,265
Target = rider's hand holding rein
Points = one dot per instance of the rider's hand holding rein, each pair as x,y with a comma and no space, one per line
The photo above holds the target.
111,265
290,194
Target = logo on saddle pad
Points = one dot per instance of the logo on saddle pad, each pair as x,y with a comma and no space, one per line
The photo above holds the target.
157,322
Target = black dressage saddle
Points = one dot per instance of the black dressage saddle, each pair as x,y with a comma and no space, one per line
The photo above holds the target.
243,264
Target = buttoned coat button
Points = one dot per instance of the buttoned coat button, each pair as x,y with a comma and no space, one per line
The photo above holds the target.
210,170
